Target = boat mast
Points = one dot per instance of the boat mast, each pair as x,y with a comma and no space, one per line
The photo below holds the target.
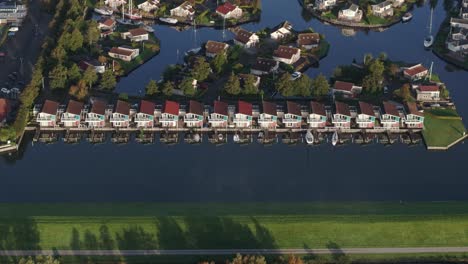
430,71
430,23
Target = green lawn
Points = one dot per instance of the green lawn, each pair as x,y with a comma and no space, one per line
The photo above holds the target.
442,127
191,226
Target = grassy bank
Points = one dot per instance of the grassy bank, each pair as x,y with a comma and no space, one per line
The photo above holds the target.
442,128
217,226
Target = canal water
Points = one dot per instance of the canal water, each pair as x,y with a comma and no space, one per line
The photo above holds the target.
253,173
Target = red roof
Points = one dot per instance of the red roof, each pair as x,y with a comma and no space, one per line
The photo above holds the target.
416,69
391,109
428,88
366,108
147,107
244,108
171,107
221,108
342,109
50,107
226,8
344,86
124,52
74,107
269,108
318,108
99,107
196,108
293,108
413,108
122,108
4,108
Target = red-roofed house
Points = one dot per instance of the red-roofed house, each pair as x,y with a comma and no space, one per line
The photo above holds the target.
391,118
136,35
317,117
194,117
269,116
243,118
106,24
414,118
170,114
48,115
121,115
229,11
97,116
72,116
347,89
342,116
415,72
293,117
366,119
4,110
427,93
219,117
246,39
145,117
124,53
288,55
185,10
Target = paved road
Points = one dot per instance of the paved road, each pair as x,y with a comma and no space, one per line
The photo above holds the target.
234,251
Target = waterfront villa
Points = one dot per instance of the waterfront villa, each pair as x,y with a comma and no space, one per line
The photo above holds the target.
170,114
317,117
214,48
347,89
145,117
106,23
414,118
93,64
458,22
264,66
427,93
282,31
384,9
4,110
366,119
269,116
243,117
342,116
352,14
219,118
308,40
97,116
48,115
229,11
285,54
72,115
194,117
149,6
415,72
391,118
324,4
246,39
121,116
293,118
136,35
185,10
124,53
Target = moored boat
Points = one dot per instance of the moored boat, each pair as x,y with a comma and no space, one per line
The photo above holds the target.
407,17
148,28
105,11
309,137
335,138
168,20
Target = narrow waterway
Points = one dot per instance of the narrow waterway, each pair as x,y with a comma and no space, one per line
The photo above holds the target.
206,173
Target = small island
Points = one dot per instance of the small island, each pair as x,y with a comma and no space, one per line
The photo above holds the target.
360,14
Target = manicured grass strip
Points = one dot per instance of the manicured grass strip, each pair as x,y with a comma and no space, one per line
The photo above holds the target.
180,226
441,128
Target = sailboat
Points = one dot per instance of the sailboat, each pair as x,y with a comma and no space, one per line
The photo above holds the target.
122,20
335,138
103,10
429,39
196,49
132,15
309,137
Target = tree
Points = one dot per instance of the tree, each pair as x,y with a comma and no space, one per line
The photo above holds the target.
394,70
303,85
372,83
59,53
102,59
232,86
74,40
58,77
7,133
187,87
108,80
320,85
152,88
201,69
404,92
219,63
39,260
90,76
444,92
123,96
80,90
284,85
249,84
167,88
239,259
92,32
337,72
367,59
294,260
74,73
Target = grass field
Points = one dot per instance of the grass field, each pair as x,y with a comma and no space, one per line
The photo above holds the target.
442,127
218,226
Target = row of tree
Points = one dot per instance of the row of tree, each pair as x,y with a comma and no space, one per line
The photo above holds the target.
303,86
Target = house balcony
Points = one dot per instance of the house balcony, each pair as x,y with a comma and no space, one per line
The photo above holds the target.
143,119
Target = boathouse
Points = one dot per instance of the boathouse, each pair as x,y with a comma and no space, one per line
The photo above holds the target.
317,116
72,115
243,118
268,119
293,117
414,118
194,117
366,118
219,117
391,118
145,117
121,115
342,116
170,114
48,115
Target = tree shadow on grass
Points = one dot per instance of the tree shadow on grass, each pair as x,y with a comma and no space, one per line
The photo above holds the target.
338,255
310,256
135,237
19,234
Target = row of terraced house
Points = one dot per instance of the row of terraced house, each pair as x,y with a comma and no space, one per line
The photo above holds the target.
147,114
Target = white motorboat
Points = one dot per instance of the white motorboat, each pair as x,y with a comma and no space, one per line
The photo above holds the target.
220,137
105,11
309,137
196,138
192,51
236,138
13,29
148,28
168,20
335,138
407,17
429,39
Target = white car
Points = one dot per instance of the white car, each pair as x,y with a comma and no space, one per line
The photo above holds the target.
295,76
